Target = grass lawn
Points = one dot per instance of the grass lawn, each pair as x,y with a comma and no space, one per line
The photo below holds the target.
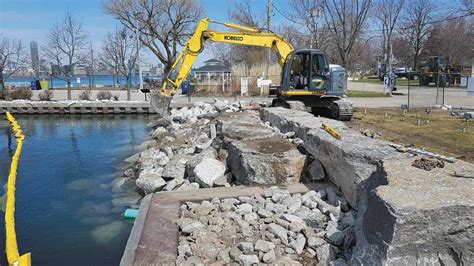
440,132
357,93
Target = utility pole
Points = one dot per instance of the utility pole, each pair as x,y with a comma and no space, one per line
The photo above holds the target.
269,17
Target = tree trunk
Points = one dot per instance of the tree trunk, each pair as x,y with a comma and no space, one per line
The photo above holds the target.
129,96
2,84
68,80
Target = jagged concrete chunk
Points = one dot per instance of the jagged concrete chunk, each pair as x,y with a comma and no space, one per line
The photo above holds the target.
208,171
176,167
265,161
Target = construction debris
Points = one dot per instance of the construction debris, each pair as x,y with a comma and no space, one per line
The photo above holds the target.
427,164
415,151
331,131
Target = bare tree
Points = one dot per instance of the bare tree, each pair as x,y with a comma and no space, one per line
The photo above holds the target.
308,15
12,59
119,53
418,17
345,19
386,14
164,25
242,13
452,39
66,47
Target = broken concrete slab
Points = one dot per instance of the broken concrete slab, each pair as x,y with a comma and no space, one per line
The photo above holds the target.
406,215
418,218
242,126
348,162
265,161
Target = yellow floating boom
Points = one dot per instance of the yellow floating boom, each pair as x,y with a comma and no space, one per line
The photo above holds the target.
13,255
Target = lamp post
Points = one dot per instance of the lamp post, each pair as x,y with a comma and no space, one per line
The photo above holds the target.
137,38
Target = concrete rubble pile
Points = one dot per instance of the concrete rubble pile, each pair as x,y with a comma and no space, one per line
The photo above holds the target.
275,227
215,145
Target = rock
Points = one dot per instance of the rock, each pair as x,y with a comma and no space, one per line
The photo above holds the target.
269,257
174,184
335,236
325,254
250,217
315,172
298,141
190,186
314,242
248,260
198,158
290,134
188,225
149,181
159,132
244,208
223,256
169,152
127,200
264,213
129,173
122,184
332,197
153,157
246,247
264,246
338,262
223,181
279,231
313,218
265,161
234,253
208,171
293,218
133,159
175,168
107,233
298,244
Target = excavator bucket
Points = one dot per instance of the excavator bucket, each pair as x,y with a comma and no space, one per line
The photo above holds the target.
160,103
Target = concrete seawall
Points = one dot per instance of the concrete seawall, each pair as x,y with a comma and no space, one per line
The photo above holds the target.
76,107
406,215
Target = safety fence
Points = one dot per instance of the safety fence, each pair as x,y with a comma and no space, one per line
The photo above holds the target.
13,255
438,89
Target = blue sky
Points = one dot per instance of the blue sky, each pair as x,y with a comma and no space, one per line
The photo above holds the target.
30,20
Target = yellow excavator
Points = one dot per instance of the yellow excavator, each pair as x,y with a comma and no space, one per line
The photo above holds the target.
307,80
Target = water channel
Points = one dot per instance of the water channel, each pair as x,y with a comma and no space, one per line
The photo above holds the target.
64,211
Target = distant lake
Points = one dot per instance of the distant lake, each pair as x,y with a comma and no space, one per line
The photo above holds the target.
77,81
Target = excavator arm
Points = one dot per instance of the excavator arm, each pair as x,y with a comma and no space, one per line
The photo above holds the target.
185,60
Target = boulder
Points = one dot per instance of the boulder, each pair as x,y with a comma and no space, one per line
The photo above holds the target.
265,161
153,158
150,181
314,172
208,171
176,167
197,158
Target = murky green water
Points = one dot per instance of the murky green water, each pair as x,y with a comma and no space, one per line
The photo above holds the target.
64,214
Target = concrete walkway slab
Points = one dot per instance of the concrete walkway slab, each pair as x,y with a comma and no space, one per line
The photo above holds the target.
154,237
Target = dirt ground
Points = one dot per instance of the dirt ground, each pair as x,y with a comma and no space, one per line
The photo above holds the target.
439,131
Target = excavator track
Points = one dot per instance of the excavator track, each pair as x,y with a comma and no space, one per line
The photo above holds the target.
334,107
345,109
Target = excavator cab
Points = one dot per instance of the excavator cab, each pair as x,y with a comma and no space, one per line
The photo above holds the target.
305,71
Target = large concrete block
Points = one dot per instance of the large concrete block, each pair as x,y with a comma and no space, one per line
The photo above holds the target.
348,162
418,217
256,154
265,161
406,216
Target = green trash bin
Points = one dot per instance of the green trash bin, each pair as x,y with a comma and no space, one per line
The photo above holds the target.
44,84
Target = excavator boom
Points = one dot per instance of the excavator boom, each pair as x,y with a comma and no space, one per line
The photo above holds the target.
195,45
